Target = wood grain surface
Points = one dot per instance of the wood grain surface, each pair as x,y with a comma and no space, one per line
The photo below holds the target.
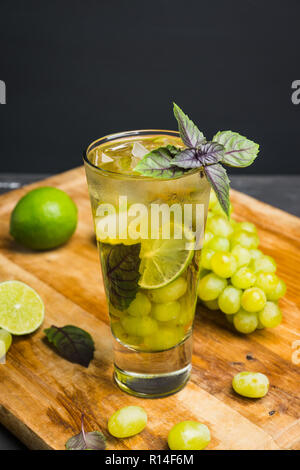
42,396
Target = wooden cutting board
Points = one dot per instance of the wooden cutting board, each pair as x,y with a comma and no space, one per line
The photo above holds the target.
42,395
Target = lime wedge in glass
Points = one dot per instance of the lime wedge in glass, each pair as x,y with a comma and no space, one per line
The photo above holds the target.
21,308
163,260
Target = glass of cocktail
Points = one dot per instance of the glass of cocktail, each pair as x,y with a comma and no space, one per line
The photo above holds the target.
149,234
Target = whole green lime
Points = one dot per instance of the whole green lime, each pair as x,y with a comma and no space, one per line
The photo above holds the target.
43,219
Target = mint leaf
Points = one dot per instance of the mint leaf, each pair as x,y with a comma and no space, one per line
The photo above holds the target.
189,133
94,440
219,180
186,159
72,343
158,163
239,151
207,154
210,153
120,265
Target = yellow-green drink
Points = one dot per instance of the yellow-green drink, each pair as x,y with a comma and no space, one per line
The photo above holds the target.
149,234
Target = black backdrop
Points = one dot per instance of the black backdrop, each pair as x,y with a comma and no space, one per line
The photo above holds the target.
78,69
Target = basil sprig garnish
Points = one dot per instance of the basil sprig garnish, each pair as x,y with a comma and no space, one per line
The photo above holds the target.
226,148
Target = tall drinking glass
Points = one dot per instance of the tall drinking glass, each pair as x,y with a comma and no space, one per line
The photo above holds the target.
149,233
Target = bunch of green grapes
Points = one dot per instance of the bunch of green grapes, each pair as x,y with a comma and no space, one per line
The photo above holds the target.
236,277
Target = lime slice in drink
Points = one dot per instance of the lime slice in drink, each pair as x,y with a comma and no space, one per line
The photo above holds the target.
21,308
163,260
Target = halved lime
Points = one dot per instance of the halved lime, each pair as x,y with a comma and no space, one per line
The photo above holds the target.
162,261
21,308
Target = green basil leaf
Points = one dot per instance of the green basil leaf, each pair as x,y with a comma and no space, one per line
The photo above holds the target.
190,135
219,180
72,343
120,266
158,164
239,151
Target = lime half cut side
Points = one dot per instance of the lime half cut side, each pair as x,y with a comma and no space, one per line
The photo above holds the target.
21,308
162,261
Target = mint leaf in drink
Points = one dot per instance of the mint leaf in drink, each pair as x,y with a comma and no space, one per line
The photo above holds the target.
239,151
219,181
190,135
158,163
72,343
94,440
120,265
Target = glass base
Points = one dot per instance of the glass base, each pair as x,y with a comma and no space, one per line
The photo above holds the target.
152,374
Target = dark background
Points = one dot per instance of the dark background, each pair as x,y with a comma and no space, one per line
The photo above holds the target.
78,69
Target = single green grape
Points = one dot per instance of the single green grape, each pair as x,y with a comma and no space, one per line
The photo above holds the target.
118,331
243,278
172,291
206,256
211,286
219,244
188,435
167,311
253,299
165,338
278,292
230,300
207,237
246,239
223,264
246,226
127,421
251,384
270,316
242,255
264,264
5,342
212,304
140,306
267,282
220,226
245,322
255,253
139,326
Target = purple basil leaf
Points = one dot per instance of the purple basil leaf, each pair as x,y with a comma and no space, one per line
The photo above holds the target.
72,343
210,153
239,151
94,440
219,180
120,266
187,159
189,132
158,163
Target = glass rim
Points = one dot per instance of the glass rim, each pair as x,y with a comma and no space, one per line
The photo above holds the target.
124,134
